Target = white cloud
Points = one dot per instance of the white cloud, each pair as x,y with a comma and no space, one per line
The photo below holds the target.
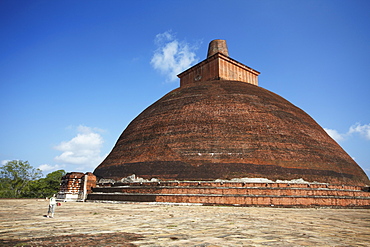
49,168
335,134
172,56
363,130
84,150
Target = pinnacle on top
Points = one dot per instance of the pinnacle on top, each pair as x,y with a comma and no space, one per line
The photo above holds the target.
217,45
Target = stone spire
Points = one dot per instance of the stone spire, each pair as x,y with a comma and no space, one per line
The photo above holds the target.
217,45
218,66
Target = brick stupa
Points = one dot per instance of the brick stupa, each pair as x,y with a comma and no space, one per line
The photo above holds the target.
219,125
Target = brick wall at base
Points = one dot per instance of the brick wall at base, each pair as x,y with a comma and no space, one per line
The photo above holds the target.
230,193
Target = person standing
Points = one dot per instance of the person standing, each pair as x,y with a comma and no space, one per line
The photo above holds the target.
52,204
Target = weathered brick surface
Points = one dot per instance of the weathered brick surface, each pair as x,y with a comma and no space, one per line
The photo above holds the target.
90,182
72,182
236,191
217,46
228,129
246,194
73,185
219,67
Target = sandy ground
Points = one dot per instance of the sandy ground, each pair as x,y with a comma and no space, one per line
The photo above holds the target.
109,224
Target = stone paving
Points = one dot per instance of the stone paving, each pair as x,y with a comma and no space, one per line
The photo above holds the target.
110,224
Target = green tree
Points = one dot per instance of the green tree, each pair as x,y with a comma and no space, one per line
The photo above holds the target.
45,187
15,177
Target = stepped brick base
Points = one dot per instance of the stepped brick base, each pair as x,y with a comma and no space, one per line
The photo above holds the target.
236,193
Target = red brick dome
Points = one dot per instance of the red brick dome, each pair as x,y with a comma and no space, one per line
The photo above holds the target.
228,129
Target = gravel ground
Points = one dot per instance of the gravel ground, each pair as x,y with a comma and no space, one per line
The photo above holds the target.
143,224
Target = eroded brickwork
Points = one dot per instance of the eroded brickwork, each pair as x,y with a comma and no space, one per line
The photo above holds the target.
224,130
76,185
236,193
219,67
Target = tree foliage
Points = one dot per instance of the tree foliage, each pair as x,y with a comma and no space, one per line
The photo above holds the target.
15,177
19,179
45,187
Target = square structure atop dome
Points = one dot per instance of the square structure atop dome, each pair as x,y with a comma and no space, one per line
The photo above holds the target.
219,66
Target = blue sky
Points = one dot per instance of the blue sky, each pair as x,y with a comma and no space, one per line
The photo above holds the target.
73,74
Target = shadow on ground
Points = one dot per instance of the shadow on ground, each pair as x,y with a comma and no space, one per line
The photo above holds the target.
103,239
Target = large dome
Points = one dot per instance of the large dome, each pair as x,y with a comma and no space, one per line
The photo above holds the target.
224,129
